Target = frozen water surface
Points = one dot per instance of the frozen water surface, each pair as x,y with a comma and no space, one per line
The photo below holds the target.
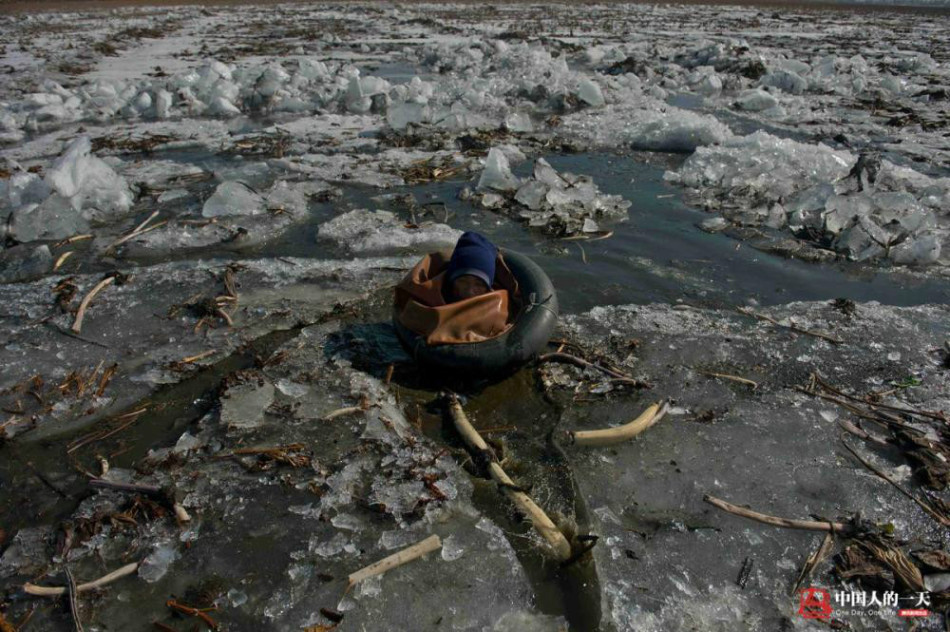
251,181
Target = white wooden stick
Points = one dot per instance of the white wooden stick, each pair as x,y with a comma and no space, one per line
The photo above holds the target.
349,410
432,543
62,259
146,222
619,434
133,235
77,324
559,546
181,513
55,591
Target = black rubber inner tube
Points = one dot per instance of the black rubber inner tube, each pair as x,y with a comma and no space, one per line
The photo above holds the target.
531,331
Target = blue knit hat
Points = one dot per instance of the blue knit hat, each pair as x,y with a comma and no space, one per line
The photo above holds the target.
473,255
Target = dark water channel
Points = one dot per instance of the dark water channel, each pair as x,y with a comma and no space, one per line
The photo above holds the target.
657,255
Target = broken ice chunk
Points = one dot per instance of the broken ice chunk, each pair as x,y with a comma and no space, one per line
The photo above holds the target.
844,211
163,104
756,101
710,85
497,173
186,443
560,204
545,173
236,598
381,231
27,553
531,194
589,92
243,405
88,182
292,389
901,210
220,106
714,224
346,521
492,201
156,564
21,189
329,548
590,226
68,172
917,250
402,115
24,263
55,218
452,549
785,80
865,240
233,198
519,122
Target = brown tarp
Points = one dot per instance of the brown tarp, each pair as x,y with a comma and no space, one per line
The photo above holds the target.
421,308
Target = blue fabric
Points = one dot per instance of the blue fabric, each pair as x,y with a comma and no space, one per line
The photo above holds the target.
473,255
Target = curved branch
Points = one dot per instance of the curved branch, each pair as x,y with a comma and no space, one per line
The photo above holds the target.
56,591
786,523
619,434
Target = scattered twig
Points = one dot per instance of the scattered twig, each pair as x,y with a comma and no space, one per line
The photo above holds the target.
56,591
558,544
860,432
21,625
81,313
567,358
284,454
146,222
127,420
148,490
589,542
927,507
786,523
603,234
904,570
795,328
432,543
732,378
73,600
863,414
153,491
813,560
745,571
340,412
619,434
61,259
195,358
583,253
72,240
200,613
936,416
141,230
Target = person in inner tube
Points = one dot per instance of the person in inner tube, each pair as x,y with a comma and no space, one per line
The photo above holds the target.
471,270
466,297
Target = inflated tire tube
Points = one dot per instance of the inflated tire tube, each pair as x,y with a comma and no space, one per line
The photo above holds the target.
531,331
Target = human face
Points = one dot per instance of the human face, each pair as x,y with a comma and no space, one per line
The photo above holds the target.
467,286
